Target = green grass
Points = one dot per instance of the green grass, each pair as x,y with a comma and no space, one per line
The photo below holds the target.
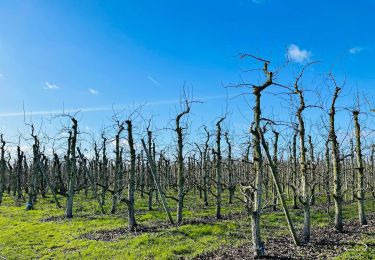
26,234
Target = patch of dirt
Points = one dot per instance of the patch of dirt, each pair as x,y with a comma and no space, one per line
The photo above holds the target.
115,234
157,226
325,243
53,218
62,217
211,219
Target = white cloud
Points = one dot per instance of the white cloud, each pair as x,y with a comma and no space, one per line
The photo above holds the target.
153,80
93,91
295,54
355,50
51,86
1,76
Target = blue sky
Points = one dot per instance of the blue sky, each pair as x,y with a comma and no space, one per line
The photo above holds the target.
92,55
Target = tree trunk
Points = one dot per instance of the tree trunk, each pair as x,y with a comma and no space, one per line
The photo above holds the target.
231,181
305,200
337,193
258,245
131,185
180,164
118,162
312,170
295,173
19,172
275,162
360,171
218,168
2,168
104,171
72,169
327,176
205,168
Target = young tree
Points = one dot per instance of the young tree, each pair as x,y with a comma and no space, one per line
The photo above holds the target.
231,181
2,167
20,157
72,167
218,181
118,167
306,198
132,185
104,169
34,171
258,245
327,174
180,161
205,165
275,162
360,171
294,183
337,193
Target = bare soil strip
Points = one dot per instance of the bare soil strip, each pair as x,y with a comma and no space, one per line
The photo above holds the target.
325,243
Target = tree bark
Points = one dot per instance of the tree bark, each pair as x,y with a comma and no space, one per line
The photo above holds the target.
218,168
2,168
118,162
72,169
180,164
360,171
131,185
337,193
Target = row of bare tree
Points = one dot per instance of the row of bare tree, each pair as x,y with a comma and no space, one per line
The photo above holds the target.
259,174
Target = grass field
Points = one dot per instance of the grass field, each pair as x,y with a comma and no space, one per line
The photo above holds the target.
45,234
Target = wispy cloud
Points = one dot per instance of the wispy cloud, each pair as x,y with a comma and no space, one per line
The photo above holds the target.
49,86
1,76
153,80
93,91
106,108
355,50
56,111
295,54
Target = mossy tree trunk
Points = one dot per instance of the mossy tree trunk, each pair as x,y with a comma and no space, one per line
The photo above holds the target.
313,176
305,200
294,172
360,171
327,175
258,245
337,189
